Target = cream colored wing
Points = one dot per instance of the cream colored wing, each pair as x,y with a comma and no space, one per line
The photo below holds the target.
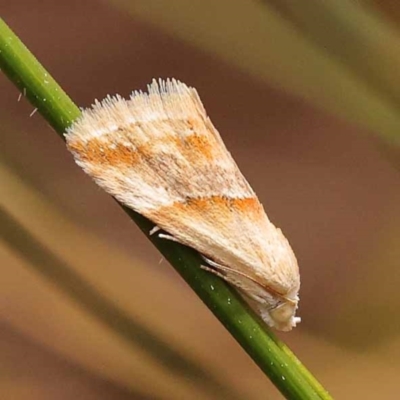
160,155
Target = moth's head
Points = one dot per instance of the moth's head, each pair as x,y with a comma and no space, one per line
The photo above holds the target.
282,316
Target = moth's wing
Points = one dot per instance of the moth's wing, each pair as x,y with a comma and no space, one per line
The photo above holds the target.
235,233
160,155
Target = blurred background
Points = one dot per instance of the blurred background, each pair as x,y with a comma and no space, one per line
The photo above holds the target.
306,96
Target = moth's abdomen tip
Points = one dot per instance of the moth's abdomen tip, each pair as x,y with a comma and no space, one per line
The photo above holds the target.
283,316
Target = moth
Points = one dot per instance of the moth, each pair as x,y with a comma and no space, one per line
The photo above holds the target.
159,154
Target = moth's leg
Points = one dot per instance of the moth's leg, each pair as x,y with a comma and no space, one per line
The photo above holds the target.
215,264
241,286
231,281
168,237
216,270
232,271
217,273
162,235
154,230
206,268
220,267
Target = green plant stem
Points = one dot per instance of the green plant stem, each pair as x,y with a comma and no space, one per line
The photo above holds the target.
270,353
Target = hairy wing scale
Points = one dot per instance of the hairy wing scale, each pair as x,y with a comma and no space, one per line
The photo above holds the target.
168,162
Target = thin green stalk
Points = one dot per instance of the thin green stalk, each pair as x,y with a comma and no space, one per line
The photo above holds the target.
270,354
